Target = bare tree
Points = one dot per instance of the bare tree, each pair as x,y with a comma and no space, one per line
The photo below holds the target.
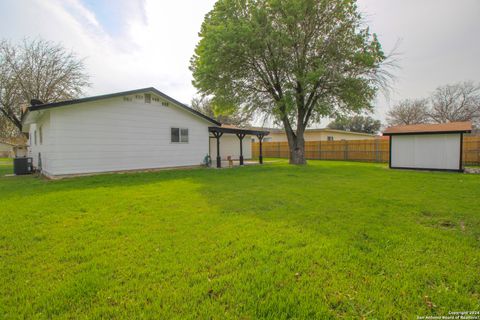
40,70
7,129
235,116
408,112
456,102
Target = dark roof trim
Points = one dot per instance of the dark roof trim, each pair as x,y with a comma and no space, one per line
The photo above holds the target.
238,130
119,94
424,132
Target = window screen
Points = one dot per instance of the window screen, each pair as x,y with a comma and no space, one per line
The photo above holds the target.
175,135
183,135
179,135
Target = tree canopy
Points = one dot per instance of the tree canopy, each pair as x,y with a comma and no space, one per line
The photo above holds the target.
409,112
40,70
453,102
357,123
233,117
456,102
296,61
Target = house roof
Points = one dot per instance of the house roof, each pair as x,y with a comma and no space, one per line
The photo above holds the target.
44,106
11,143
8,143
452,127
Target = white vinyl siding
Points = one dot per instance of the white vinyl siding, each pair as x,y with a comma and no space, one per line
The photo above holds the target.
426,151
117,134
42,144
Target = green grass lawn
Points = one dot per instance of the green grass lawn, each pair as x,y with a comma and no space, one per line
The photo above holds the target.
5,161
328,240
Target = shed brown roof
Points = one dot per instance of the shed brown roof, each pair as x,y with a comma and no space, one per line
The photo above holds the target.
430,128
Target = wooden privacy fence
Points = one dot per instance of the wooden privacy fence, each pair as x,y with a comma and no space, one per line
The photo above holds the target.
471,150
374,150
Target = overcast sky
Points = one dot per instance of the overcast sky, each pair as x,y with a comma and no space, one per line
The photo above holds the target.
130,44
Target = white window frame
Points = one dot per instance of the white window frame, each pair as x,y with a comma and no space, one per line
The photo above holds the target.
180,136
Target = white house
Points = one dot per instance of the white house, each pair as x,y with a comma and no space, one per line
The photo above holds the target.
427,146
131,130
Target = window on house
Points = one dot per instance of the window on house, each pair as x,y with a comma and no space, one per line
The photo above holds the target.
184,135
175,137
330,138
179,135
35,137
148,98
40,135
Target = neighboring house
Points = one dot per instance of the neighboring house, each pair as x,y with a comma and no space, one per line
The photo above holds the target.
6,149
427,146
324,134
131,130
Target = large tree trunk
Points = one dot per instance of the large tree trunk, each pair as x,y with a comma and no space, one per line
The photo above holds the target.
296,144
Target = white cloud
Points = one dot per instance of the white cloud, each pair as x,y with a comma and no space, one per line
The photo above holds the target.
152,42
154,50
438,43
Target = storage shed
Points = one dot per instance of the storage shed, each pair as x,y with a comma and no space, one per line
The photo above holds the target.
427,146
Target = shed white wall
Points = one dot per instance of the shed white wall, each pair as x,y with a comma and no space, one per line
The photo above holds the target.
426,151
230,146
114,135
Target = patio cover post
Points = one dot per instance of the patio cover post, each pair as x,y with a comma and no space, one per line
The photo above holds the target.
241,136
217,136
260,138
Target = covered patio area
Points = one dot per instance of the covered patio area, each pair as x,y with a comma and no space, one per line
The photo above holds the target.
218,132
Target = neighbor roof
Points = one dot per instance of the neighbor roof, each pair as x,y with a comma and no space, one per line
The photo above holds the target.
451,127
281,131
119,94
10,144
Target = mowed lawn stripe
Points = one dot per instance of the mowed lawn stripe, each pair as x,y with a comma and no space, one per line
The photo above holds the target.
328,240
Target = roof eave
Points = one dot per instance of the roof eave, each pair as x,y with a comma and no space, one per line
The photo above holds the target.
425,132
119,94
